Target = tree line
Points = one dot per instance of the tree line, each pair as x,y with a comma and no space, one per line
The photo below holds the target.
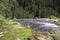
30,8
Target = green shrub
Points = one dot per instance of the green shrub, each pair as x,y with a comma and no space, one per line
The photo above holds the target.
12,30
52,17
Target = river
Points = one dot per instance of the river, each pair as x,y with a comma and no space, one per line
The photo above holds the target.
43,26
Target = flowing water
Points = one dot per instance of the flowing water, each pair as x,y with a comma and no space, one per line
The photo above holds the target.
42,26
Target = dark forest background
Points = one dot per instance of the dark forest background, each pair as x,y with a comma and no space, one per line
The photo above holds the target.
30,8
